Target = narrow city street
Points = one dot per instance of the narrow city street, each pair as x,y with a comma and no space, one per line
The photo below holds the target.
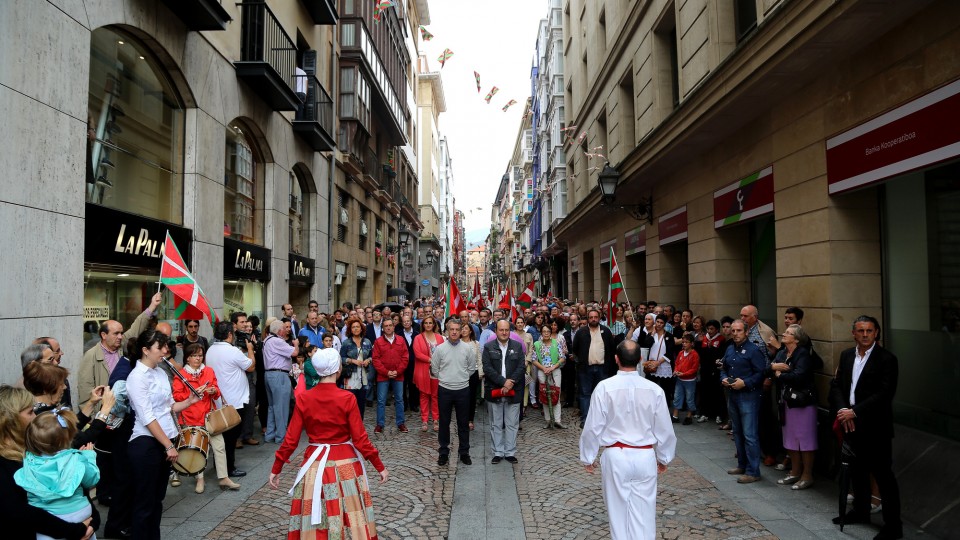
546,495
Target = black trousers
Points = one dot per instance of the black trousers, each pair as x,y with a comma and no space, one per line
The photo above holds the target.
875,457
246,420
120,515
361,396
667,384
771,432
449,401
150,475
230,438
568,383
474,390
411,394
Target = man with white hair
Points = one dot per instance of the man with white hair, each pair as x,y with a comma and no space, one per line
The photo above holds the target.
277,363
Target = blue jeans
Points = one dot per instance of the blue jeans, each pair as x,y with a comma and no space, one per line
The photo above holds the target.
685,391
278,399
589,377
745,420
383,387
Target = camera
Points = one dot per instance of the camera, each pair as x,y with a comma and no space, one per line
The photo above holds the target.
240,340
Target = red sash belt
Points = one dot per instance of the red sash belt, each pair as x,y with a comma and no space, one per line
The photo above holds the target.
619,444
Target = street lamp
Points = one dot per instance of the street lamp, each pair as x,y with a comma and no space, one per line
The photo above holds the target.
608,180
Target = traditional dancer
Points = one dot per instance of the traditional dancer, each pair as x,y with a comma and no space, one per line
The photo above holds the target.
629,416
331,497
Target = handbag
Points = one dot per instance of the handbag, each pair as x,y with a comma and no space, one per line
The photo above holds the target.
219,420
554,394
796,399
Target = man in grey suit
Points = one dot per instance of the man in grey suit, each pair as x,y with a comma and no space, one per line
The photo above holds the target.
503,366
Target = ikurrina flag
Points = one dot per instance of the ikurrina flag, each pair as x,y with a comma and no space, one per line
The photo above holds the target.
447,53
493,92
189,302
526,298
426,36
477,77
379,7
616,286
509,103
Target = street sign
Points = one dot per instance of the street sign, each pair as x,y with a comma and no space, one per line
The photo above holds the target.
425,283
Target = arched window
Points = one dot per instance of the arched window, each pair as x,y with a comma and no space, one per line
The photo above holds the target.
299,216
134,130
243,187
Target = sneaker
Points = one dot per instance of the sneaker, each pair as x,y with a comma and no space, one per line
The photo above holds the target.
674,419
402,428
702,419
175,480
719,420
378,429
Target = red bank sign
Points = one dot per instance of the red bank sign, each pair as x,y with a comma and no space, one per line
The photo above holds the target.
672,226
910,137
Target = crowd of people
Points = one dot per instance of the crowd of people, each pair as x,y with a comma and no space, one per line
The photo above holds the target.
145,398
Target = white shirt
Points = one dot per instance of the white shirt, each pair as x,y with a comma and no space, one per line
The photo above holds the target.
858,363
151,398
503,357
230,366
408,335
629,409
390,339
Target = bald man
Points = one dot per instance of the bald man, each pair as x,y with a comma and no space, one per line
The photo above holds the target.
99,361
174,353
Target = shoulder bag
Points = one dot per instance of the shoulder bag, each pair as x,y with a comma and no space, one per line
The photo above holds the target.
219,420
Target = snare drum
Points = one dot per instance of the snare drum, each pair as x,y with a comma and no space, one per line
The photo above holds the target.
192,451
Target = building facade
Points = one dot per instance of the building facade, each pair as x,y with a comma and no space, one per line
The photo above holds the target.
780,153
192,124
430,104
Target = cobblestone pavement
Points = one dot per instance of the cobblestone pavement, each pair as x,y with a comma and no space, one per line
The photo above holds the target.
561,500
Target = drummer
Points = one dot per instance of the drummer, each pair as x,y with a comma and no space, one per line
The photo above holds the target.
197,375
333,476
151,449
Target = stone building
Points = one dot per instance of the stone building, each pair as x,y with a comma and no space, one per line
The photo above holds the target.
431,103
126,120
781,153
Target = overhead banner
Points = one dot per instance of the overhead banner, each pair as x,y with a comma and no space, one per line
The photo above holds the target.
672,226
913,136
635,241
744,199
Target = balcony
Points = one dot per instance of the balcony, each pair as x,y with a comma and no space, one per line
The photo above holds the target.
322,11
372,177
268,57
200,14
314,122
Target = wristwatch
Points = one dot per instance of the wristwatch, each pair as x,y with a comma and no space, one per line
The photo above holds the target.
101,416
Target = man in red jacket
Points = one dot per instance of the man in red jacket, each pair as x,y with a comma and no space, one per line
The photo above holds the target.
390,357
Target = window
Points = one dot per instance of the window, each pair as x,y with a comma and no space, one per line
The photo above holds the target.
745,17
135,130
364,231
628,119
243,189
667,75
343,218
299,217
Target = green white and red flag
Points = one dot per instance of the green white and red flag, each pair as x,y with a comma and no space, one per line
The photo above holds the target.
616,286
526,297
189,302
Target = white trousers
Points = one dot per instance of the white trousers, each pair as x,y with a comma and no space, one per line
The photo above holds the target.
542,377
219,451
532,375
630,492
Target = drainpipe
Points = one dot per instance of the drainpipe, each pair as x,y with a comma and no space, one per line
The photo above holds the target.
331,268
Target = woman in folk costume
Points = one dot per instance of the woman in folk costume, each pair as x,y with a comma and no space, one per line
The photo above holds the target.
331,497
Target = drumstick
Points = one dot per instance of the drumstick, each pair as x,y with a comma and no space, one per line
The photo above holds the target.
181,377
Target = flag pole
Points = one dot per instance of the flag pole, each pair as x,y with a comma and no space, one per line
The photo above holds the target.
160,280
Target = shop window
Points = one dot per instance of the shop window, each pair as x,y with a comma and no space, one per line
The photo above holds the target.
243,187
120,297
134,130
244,295
921,283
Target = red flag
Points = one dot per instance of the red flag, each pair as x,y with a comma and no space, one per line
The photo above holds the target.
616,286
189,301
455,301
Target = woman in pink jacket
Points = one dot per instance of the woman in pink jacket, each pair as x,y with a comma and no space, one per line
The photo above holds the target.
423,346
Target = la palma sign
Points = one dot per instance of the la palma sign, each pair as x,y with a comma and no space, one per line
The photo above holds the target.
116,238
301,269
245,261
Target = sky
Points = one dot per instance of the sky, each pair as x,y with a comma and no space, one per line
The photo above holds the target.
496,38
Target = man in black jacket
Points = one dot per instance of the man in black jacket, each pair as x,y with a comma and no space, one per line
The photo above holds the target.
408,330
594,349
862,396
503,366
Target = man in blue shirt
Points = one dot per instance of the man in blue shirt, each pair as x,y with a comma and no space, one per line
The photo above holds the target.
742,374
313,331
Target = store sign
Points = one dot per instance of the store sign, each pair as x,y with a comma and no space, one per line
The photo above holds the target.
635,241
605,250
245,261
117,238
744,199
672,227
99,313
302,269
910,137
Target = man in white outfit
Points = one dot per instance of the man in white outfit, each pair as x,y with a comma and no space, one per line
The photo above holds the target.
629,416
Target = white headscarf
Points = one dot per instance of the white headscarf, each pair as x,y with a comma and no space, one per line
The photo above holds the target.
326,362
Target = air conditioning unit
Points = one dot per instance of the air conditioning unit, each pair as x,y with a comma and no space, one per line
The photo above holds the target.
363,228
344,217
338,279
